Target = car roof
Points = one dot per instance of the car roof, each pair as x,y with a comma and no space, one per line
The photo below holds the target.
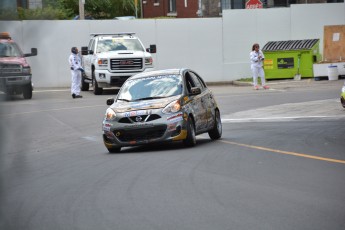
159,72
113,35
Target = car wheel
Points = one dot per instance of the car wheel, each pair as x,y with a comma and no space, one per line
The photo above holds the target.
114,150
84,85
342,100
96,90
216,132
190,141
27,91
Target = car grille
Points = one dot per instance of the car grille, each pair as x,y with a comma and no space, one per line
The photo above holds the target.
6,69
143,118
141,134
126,64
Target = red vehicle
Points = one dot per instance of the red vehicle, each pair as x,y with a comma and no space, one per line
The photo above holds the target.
15,72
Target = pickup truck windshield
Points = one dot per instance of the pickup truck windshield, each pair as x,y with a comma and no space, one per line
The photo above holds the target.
9,49
116,44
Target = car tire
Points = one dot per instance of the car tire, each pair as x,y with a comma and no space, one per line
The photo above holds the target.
27,91
114,150
190,140
342,100
84,85
96,90
216,132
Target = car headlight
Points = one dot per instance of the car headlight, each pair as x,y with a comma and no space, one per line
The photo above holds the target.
172,107
102,62
26,70
110,115
343,89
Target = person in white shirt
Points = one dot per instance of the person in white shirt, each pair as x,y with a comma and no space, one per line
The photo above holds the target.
76,70
256,59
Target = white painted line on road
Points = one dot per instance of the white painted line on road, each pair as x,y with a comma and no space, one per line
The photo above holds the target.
51,90
275,119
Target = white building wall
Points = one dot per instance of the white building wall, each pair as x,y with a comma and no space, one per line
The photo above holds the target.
217,48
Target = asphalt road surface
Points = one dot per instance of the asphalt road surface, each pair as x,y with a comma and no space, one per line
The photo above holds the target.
279,165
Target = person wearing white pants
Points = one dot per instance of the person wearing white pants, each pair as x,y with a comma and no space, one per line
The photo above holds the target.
256,59
76,70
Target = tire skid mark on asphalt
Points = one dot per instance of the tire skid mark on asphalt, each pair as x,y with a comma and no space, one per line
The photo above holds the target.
285,152
49,110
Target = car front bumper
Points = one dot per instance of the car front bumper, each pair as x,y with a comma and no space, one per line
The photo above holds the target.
107,79
167,128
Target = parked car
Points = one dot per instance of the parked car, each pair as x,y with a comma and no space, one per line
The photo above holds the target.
15,71
342,96
160,106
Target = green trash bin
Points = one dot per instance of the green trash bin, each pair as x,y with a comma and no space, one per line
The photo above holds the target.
287,59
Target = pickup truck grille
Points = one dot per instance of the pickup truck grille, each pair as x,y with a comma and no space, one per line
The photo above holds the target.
10,68
126,64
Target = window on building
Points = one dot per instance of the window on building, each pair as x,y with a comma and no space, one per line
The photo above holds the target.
172,5
226,4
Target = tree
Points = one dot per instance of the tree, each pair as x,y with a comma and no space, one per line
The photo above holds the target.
100,9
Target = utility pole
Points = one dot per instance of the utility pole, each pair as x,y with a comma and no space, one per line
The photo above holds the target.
81,10
136,8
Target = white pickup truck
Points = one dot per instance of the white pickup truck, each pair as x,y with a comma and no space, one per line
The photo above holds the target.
110,59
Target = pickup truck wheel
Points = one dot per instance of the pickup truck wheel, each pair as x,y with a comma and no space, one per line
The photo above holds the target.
84,85
27,91
96,90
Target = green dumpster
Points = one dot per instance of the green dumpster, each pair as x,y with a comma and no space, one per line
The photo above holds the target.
287,59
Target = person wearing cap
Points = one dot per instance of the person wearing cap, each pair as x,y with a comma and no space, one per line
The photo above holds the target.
76,70
256,58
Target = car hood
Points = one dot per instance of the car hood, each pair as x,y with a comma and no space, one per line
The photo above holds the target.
121,53
14,60
123,106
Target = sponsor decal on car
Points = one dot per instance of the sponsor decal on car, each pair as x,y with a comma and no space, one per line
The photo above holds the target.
106,127
135,113
175,118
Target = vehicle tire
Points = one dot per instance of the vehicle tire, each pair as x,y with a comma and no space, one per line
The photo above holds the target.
114,150
342,100
96,90
84,86
190,141
27,91
216,132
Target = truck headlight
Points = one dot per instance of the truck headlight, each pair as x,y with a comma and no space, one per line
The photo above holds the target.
343,89
148,61
102,62
109,115
26,70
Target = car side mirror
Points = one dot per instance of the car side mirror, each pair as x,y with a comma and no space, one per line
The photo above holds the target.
152,49
33,52
110,101
84,50
195,91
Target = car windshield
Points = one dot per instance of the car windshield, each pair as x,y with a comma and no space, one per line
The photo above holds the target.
115,44
152,87
9,49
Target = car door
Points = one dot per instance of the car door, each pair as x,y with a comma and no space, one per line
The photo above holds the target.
199,103
88,59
